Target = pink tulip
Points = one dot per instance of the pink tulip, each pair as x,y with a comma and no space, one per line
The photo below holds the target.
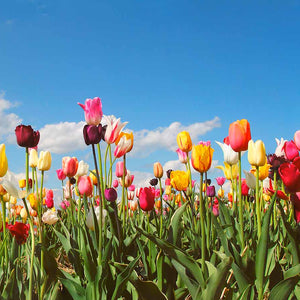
63,205
290,150
120,168
131,188
85,185
182,156
49,199
92,111
146,198
130,195
115,183
60,174
220,180
69,166
297,139
128,180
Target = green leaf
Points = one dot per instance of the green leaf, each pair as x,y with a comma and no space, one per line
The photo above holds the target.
73,285
216,282
284,288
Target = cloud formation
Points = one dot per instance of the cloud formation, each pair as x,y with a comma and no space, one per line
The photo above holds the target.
9,121
149,141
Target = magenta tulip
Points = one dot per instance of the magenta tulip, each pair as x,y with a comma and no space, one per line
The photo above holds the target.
60,174
290,150
92,111
110,194
120,169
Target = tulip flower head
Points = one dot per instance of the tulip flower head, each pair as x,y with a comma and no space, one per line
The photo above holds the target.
3,161
49,199
256,153
220,180
290,150
182,156
184,141
230,156
120,169
44,163
92,134
20,231
110,194
82,169
279,149
147,198
250,180
26,136
69,166
158,170
92,111
290,175
113,129
90,217
85,185
33,158
179,180
50,217
60,174
239,135
230,171
202,157
124,144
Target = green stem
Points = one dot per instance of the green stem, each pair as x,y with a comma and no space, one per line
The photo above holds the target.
4,230
161,209
202,224
101,184
241,219
257,203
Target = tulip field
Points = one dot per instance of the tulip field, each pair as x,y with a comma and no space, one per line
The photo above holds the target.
178,237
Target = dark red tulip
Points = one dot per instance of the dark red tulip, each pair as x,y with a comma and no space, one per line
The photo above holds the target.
20,231
92,134
26,136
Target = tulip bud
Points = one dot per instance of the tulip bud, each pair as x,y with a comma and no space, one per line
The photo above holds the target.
92,111
26,136
115,183
33,158
3,161
256,153
184,141
85,185
60,174
153,181
120,169
92,134
210,191
110,194
44,162
22,183
158,170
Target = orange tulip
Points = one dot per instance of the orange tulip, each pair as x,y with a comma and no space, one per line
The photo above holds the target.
158,170
179,180
239,135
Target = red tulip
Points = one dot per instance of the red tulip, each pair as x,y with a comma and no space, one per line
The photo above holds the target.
60,174
290,149
69,166
245,188
147,198
290,175
20,231
49,199
239,135
85,185
26,136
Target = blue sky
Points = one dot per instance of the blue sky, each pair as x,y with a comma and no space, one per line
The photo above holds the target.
202,64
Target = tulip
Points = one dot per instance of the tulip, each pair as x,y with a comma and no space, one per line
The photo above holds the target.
120,169
92,111
44,163
257,153
133,205
3,161
239,135
158,170
290,175
220,193
250,180
92,134
179,180
220,180
184,141
26,136
90,217
245,188
130,195
295,199
110,194
202,157
10,184
20,231
147,199
229,171
182,156
279,149
153,181
82,169
290,150
63,205
50,217
60,174
33,158
210,191
93,177
22,183
124,144
2,190
49,199
85,185
230,156
127,180
113,129
115,183
69,166
23,213
33,200
297,139
263,171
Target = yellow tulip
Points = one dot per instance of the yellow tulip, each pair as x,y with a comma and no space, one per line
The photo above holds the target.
33,201
202,157
263,171
23,213
33,158
228,170
2,190
256,153
3,161
22,183
179,180
44,163
184,141
93,177
220,193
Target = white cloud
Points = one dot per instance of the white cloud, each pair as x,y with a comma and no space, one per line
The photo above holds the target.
9,121
63,137
148,141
